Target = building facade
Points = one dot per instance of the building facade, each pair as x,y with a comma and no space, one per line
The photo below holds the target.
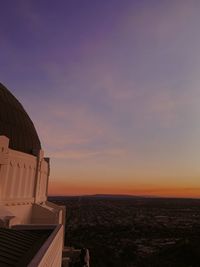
25,214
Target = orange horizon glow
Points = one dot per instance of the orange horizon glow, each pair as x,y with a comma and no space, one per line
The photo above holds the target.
63,189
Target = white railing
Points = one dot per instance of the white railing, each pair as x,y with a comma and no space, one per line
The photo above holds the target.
50,254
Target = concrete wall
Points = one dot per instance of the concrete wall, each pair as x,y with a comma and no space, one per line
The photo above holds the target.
50,253
41,214
22,214
23,177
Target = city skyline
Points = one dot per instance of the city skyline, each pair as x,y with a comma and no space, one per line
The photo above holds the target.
113,90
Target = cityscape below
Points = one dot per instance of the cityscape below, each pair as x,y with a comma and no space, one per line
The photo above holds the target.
133,231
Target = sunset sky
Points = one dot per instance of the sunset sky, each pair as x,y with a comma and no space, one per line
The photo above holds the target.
113,88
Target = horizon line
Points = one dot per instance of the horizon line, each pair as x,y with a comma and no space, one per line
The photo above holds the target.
123,195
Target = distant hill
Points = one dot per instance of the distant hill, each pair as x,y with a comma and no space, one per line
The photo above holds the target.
112,196
102,196
121,196
106,196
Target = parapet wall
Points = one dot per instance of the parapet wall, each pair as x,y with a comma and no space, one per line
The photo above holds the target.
23,177
50,253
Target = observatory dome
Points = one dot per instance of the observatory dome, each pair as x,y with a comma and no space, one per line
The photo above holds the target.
16,124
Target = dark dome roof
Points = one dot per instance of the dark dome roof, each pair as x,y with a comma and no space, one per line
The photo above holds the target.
16,124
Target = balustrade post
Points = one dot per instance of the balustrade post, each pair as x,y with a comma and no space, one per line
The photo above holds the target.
38,175
4,151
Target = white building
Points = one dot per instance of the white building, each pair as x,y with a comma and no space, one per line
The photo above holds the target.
31,228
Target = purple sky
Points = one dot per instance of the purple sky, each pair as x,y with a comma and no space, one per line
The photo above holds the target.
112,87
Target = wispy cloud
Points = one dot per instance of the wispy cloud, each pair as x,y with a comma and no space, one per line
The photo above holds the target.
79,154
73,132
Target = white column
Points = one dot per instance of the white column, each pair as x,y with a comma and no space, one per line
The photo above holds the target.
42,176
4,152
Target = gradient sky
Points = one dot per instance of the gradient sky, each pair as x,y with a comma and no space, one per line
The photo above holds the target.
113,88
